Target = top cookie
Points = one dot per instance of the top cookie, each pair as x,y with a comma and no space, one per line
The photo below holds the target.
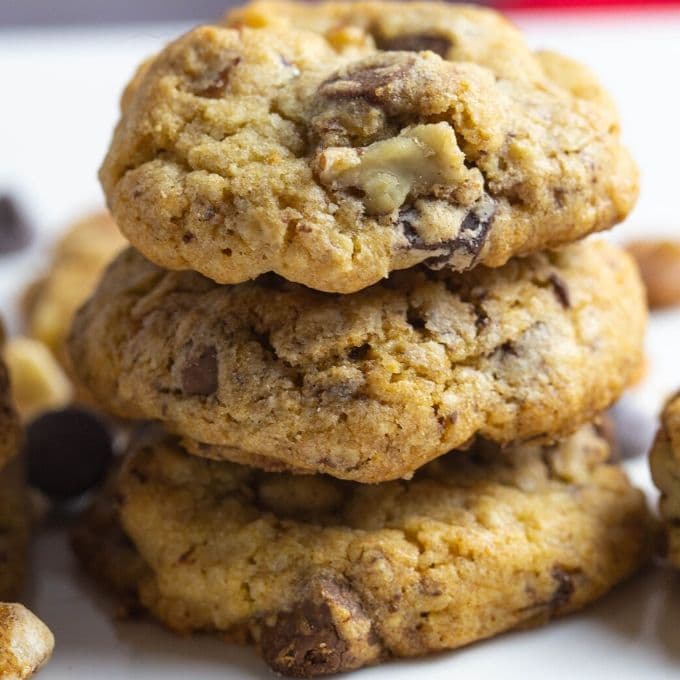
333,156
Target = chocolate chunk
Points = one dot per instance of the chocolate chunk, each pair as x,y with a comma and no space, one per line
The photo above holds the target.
199,375
462,251
304,642
561,290
415,42
217,84
368,79
359,353
564,590
470,240
67,452
327,632
408,218
415,319
15,232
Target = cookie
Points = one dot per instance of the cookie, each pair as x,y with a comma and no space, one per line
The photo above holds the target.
665,467
327,576
9,420
335,157
26,643
15,530
366,386
76,264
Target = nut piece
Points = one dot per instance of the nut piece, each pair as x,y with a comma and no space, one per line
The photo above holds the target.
39,383
26,643
422,160
659,263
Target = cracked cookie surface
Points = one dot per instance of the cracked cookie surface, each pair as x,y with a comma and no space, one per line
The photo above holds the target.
333,155
372,385
665,467
326,575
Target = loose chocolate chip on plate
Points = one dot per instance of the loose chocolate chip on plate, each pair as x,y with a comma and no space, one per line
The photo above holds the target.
15,232
67,452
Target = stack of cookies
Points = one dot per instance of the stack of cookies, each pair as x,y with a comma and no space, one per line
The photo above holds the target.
376,357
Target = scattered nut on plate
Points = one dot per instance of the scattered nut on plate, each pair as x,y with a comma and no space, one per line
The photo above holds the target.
659,263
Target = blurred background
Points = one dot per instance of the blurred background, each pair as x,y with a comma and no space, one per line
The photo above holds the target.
31,12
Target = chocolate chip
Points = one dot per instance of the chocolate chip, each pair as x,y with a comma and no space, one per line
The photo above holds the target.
359,353
408,218
264,340
482,319
327,632
415,42
304,642
199,375
564,590
15,232
367,80
414,319
508,349
67,452
561,290
470,240
217,84
558,196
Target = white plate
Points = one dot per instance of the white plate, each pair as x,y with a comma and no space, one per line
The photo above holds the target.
60,94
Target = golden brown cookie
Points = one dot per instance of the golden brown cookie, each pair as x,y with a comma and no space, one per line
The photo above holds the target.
333,150
327,576
9,419
372,385
665,466
76,264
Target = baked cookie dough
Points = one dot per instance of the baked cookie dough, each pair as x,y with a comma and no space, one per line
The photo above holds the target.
9,419
338,151
75,267
15,529
366,386
665,466
327,576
